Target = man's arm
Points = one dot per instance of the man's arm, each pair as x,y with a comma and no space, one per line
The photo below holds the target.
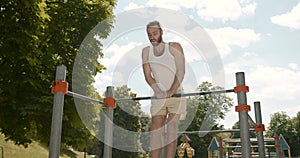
177,51
148,74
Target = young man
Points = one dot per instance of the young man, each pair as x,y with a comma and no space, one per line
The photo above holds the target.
164,69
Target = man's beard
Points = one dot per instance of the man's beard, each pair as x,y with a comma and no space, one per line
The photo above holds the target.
159,40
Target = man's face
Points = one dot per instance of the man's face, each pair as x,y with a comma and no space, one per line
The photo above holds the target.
154,35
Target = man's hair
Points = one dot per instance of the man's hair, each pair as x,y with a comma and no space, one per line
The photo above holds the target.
154,24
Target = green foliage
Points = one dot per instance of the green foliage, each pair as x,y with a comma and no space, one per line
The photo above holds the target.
128,115
35,37
281,123
238,134
209,110
296,147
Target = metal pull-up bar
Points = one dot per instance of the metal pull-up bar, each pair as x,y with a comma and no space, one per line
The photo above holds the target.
60,88
76,95
80,96
177,95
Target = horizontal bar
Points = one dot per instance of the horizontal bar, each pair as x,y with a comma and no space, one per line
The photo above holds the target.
212,131
85,98
253,146
177,95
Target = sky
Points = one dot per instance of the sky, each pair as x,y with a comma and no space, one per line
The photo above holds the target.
260,38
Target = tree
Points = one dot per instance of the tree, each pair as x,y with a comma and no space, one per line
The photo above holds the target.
128,115
35,37
296,122
207,110
281,123
238,134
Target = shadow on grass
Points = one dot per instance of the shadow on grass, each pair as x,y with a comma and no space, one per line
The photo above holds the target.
66,152
69,153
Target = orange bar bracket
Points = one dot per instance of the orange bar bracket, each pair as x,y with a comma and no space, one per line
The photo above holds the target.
276,137
241,89
259,128
239,108
59,86
277,146
110,102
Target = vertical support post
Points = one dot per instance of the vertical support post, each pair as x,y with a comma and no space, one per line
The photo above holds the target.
278,146
164,140
220,140
2,151
243,117
57,113
260,134
108,135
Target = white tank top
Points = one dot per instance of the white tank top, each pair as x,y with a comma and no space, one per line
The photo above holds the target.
163,68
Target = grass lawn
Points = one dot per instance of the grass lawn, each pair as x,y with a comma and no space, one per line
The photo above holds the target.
34,150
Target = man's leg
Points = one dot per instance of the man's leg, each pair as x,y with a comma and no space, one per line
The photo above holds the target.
172,125
157,130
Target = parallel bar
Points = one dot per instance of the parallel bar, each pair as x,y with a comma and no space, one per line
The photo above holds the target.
260,135
76,95
212,131
177,95
243,117
108,132
238,140
252,146
57,113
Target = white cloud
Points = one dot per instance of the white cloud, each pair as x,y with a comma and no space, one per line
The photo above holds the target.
172,4
294,66
132,5
266,82
277,88
226,37
224,10
115,53
210,9
290,19
191,54
249,9
276,83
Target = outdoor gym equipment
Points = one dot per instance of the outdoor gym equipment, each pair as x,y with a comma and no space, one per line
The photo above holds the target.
60,88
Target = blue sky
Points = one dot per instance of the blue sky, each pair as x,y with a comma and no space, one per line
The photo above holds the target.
260,38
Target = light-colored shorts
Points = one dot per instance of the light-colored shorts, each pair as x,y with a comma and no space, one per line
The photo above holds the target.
175,105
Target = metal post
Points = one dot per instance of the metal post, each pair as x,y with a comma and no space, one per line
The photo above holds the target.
57,114
243,117
220,140
278,146
260,134
2,151
164,140
108,135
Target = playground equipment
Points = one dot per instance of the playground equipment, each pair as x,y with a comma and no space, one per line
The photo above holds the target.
60,88
185,146
280,143
216,147
259,128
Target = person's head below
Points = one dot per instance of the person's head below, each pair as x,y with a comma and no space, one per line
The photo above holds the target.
154,32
